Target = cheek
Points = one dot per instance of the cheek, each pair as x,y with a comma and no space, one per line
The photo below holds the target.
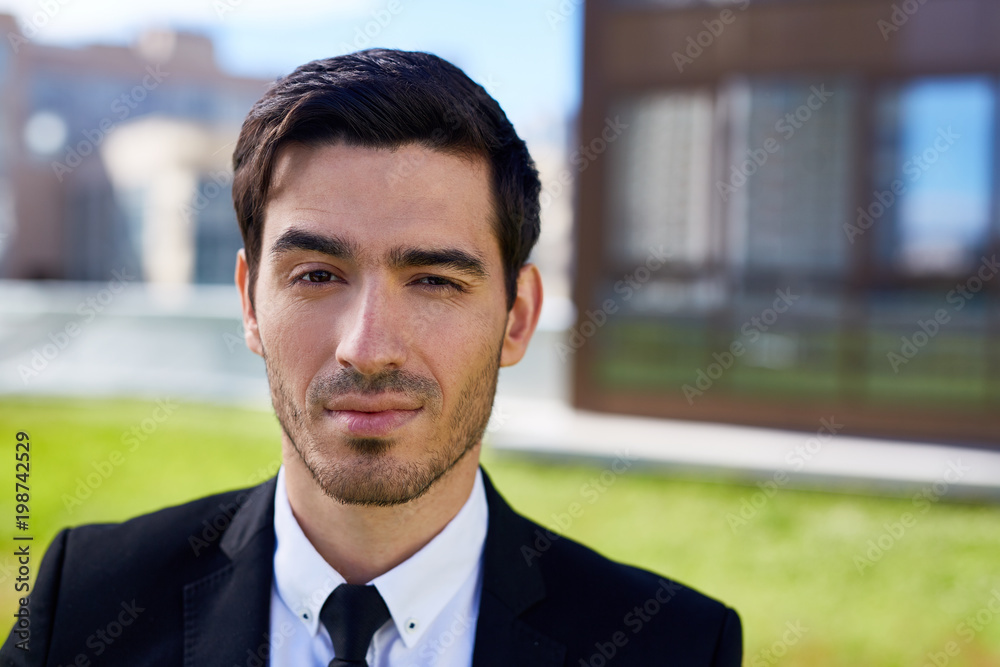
423,323
462,345
295,341
459,325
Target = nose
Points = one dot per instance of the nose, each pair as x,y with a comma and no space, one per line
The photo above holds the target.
371,339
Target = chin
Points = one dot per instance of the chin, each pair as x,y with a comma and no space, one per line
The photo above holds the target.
371,475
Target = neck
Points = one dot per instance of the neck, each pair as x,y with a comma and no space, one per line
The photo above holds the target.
362,542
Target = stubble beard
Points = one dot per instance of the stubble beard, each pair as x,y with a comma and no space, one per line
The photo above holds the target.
371,475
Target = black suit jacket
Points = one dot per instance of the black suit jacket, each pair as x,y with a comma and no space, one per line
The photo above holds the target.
191,585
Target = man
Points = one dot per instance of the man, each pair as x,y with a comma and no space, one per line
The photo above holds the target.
388,209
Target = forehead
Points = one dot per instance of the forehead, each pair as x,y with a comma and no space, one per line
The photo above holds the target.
381,198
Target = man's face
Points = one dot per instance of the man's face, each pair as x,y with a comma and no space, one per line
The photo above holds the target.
381,315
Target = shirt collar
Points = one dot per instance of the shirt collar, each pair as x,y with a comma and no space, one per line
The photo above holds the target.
415,591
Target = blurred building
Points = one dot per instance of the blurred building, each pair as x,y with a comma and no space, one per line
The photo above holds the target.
82,131
821,176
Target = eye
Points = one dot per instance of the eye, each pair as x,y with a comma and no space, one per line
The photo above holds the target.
318,276
438,283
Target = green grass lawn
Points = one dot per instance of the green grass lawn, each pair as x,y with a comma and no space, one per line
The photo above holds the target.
794,561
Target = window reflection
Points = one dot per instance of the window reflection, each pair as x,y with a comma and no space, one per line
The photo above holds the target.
941,143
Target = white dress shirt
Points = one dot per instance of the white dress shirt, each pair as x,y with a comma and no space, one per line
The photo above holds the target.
433,596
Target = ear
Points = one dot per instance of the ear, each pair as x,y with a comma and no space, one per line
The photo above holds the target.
523,316
250,331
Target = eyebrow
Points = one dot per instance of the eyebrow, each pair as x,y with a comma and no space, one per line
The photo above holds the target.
450,258
398,258
298,239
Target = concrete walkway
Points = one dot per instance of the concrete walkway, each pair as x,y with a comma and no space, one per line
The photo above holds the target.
550,428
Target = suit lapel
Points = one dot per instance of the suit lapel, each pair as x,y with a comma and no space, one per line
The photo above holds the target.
511,585
227,612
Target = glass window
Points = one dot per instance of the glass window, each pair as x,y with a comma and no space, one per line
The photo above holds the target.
788,181
660,177
934,174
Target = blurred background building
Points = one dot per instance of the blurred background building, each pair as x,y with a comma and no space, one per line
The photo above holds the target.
823,176
117,157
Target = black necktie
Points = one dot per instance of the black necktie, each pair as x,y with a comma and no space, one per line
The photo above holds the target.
351,615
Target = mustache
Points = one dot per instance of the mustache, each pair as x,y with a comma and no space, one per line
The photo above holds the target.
351,381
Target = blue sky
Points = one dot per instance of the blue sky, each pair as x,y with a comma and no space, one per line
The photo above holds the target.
533,67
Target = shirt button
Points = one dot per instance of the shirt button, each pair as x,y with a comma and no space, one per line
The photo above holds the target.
411,625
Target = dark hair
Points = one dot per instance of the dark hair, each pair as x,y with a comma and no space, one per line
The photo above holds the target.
384,98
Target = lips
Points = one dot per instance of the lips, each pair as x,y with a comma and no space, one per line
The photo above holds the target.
377,403
373,416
